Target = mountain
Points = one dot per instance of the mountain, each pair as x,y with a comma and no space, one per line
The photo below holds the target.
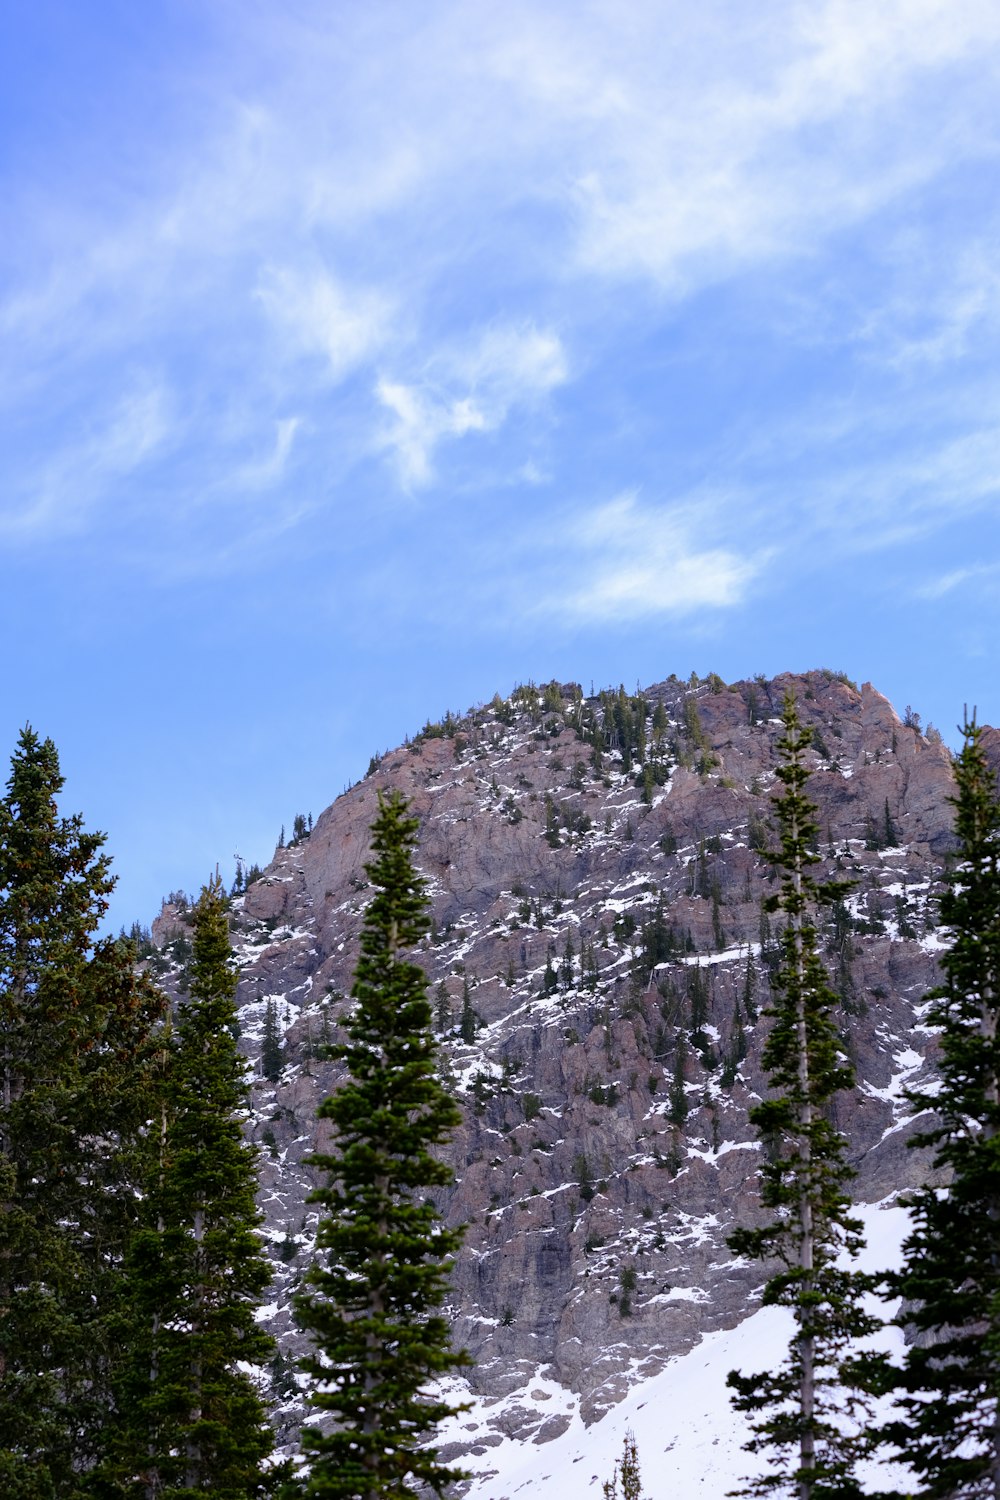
599,962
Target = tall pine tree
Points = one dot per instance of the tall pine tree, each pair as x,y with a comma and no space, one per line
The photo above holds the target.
371,1298
193,1418
810,1412
76,1027
949,1431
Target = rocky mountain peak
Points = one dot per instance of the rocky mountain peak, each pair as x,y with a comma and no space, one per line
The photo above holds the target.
599,964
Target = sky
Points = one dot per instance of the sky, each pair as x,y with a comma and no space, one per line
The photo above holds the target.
360,361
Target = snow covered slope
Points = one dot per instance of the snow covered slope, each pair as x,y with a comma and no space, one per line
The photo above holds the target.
690,1442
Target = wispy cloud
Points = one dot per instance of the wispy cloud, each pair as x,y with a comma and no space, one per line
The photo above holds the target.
329,234
706,165
629,561
466,390
268,470
934,313
58,496
947,583
316,314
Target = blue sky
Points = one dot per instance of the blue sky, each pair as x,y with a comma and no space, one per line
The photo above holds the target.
358,361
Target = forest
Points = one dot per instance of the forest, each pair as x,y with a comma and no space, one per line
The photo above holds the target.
132,1364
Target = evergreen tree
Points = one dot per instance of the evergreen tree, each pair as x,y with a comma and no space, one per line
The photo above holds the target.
949,1430
371,1298
444,1015
272,1051
75,1028
193,1420
811,1411
626,1470
467,1020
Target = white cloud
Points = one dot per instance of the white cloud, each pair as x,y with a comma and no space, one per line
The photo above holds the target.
421,422
514,362
469,389
269,470
934,314
704,142
316,315
377,186
957,578
60,496
631,562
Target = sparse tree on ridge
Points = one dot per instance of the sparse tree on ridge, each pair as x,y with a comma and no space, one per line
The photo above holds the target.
371,1300
948,1430
811,1412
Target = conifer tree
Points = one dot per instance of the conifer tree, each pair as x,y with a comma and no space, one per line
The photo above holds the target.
949,1428
810,1412
75,1047
193,1419
371,1298
467,1021
626,1470
272,1051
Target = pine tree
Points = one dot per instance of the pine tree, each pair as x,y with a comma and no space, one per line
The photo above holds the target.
949,1430
194,1423
467,1020
811,1411
272,1050
75,1030
627,1471
371,1298
444,1015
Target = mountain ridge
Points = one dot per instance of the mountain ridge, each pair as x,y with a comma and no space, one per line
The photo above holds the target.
598,964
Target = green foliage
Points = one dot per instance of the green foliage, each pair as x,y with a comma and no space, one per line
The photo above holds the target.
949,1389
811,1412
370,1300
626,1472
678,1111
192,1419
272,1051
467,1021
301,829
693,725
75,1057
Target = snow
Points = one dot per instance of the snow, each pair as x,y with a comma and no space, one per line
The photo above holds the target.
689,1439
724,956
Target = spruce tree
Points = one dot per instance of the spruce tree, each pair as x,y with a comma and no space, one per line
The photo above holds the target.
75,1048
467,1021
193,1419
372,1296
949,1390
272,1050
811,1411
626,1470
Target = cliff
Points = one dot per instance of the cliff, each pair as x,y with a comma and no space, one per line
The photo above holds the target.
597,875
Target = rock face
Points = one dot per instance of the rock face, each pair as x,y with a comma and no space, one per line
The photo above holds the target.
597,876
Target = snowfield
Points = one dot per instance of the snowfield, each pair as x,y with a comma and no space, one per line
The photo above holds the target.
690,1441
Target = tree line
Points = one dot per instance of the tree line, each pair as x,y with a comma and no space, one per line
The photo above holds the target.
131,1265
822,1413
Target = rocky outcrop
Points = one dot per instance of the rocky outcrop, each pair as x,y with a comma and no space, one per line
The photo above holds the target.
597,876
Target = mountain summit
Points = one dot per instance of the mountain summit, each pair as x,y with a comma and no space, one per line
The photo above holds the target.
600,960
